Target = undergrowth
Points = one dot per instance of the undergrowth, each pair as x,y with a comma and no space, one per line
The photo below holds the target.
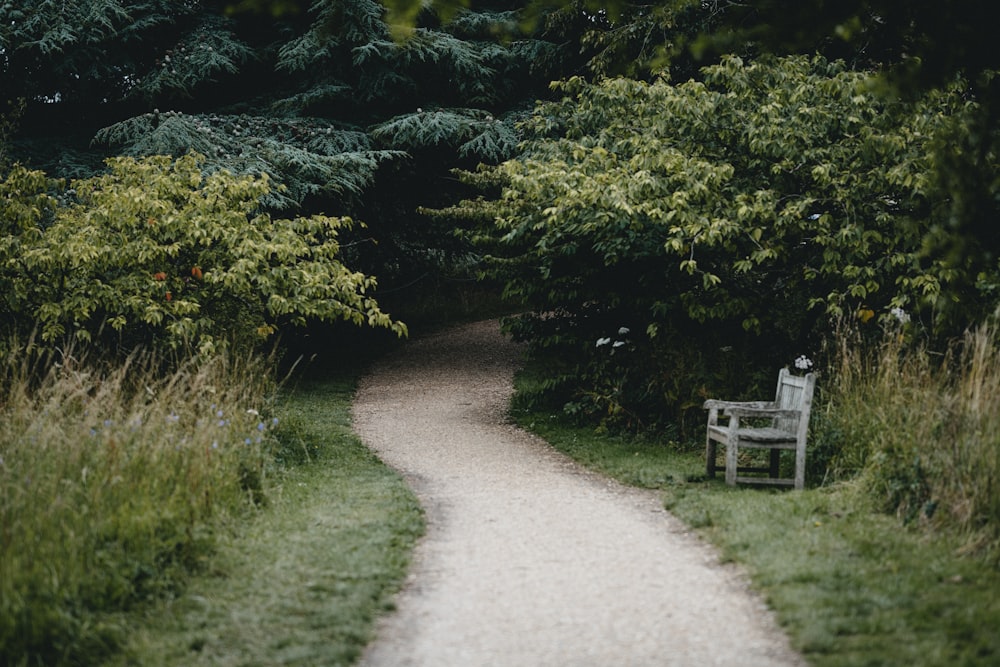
301,582
920,432
114,481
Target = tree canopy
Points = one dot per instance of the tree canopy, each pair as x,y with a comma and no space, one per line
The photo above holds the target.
343,117
719,174
740,211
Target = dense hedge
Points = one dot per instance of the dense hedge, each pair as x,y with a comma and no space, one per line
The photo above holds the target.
722,223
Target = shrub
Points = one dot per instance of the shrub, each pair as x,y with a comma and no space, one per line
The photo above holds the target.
723,222
156,250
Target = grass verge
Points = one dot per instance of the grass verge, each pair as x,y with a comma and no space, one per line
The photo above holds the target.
115,479
303,583
851,586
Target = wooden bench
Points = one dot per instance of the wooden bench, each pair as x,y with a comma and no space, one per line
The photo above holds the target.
787,424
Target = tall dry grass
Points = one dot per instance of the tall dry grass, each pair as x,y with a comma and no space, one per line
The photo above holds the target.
113,479
920,432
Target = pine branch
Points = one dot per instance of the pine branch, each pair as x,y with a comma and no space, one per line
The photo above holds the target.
473,133
209,50
425,47
339,24
485,25
495,142
155,15
51,26
386,84
316,95
304,155
425,129
303,52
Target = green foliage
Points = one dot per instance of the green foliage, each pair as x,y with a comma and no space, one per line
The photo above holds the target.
907,48
8,123
471,216
204,53
157,250
919,430
114,481
465,63
338,24
310,156
340,70
473,134
59,51
733,214
645,38
344,114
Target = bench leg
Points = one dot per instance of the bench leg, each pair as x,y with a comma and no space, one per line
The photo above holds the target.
800,467
710,457
732,459
775,463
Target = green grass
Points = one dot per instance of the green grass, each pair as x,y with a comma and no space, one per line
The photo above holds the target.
115,480
305,580
920,431
304,542
851,586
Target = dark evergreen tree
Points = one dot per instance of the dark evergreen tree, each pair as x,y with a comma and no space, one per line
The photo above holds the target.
345,115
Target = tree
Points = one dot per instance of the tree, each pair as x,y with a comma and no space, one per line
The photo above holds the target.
909,48
342,117
736,213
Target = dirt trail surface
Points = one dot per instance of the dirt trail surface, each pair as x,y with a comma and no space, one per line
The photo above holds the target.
530,560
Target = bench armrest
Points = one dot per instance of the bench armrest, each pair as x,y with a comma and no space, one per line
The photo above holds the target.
748,411
713,404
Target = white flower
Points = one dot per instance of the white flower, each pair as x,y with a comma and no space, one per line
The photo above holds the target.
618,343
253,412
603,341
623,331
901,315
803,363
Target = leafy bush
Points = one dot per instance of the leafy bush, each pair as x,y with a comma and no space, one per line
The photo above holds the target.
113,483
156,250
722,222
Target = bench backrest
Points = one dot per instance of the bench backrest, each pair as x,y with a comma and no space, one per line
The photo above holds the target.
795,392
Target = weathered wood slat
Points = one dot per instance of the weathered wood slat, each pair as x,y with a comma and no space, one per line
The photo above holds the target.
775,481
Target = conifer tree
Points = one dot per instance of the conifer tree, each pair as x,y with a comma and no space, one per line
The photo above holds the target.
346,116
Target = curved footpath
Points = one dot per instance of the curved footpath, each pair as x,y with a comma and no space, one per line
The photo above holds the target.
530,560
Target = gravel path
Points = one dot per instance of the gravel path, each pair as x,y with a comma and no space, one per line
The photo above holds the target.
528,559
